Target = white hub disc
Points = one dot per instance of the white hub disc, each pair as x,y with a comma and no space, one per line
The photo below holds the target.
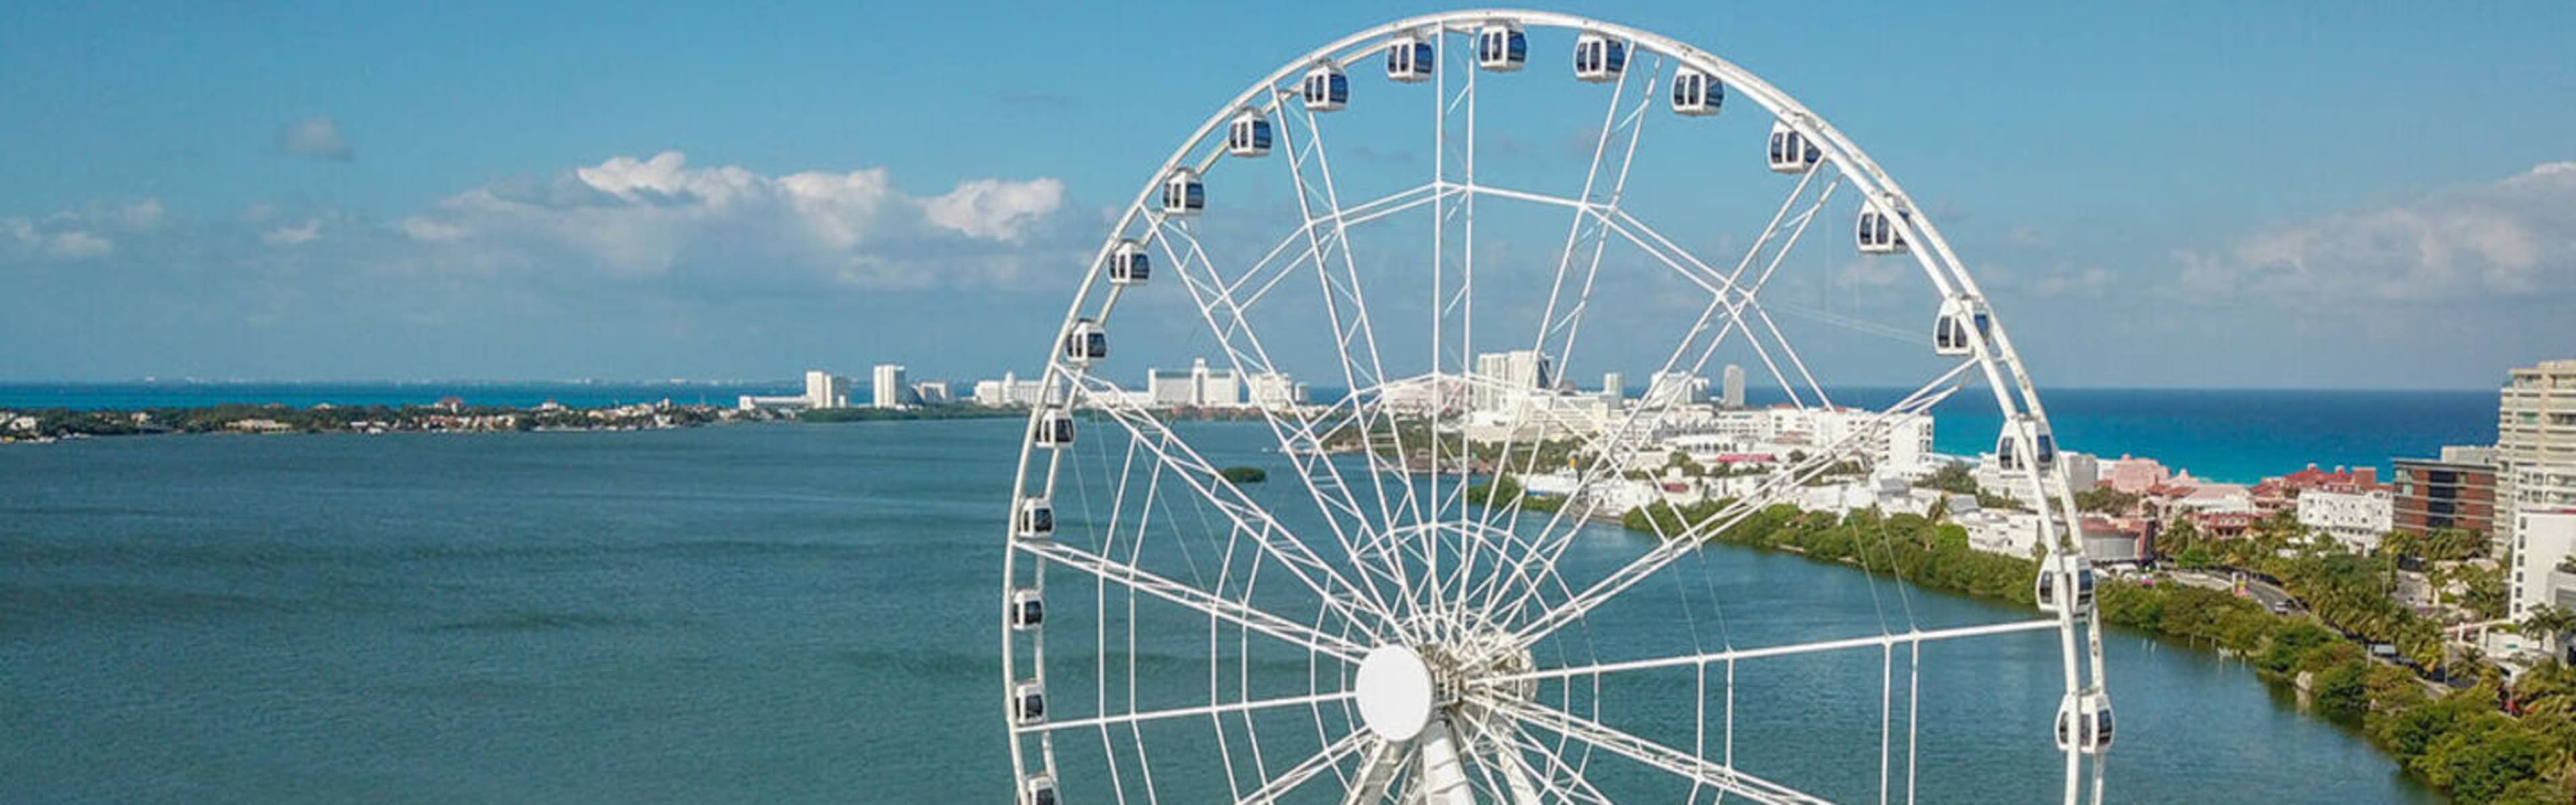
1394,692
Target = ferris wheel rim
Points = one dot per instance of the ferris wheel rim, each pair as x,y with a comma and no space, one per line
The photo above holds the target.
2005,374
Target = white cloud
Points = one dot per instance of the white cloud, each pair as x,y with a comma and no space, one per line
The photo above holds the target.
293,235
77,244
317,137
995,209
658,216
2503,239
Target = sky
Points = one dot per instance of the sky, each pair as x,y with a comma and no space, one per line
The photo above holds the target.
2349,195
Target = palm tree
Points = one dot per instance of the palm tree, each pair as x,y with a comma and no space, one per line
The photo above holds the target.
2547,622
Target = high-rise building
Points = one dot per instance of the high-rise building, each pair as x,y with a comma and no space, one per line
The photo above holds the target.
2435,494
1665,389
1614,385
2535,450
826,390
1732,391
1510,375
887,387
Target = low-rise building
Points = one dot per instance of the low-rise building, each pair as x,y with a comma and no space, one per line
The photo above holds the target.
2357,518
1009,391
2134,475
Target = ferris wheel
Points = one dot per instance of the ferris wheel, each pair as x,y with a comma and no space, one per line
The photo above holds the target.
1388,625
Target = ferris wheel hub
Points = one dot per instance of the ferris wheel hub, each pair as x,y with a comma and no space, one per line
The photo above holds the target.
1395,692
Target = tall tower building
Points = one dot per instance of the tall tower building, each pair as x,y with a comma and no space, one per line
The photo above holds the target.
1518,370
887,386
1614,385
825,390
2535,452
1733,392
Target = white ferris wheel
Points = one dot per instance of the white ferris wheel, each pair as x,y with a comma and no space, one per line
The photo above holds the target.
1376,628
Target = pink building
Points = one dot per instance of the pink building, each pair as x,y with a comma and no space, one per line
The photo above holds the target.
2134,475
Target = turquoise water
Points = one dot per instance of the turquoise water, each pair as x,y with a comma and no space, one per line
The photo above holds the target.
803,613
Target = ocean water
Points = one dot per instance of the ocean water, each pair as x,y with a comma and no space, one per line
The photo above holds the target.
2235,434
804,613
2221,434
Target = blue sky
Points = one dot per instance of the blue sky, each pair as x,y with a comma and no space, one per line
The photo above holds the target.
2213,194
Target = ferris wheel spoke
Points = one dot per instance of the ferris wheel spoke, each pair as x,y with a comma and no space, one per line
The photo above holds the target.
1221,608
1248,518
1611,122
1549,322
1564,781
1288,780
1296,433
1654,755
1673,546
1355,333
1197,712
1702,659
1744,296
1728,294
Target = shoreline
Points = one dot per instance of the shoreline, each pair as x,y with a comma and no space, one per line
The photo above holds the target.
2457,740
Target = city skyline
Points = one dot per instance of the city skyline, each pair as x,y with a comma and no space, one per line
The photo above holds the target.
191,200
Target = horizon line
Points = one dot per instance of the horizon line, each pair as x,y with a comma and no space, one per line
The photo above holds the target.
792,379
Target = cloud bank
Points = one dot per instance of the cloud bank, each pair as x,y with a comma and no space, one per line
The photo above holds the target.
658,217
2511,238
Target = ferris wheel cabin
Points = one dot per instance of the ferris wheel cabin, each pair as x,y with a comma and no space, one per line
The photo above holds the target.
1034,520
1128,264
2084,722
1879,232
1791,151
1038,790
1085,343
2043,447
1028,609
2064,571
1028,703
1410,59
1183,193
1054,429
1501,47
1598,58
1248,135
1697,94
1326,89
1950,333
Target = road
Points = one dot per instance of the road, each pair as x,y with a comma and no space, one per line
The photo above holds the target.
2270,595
